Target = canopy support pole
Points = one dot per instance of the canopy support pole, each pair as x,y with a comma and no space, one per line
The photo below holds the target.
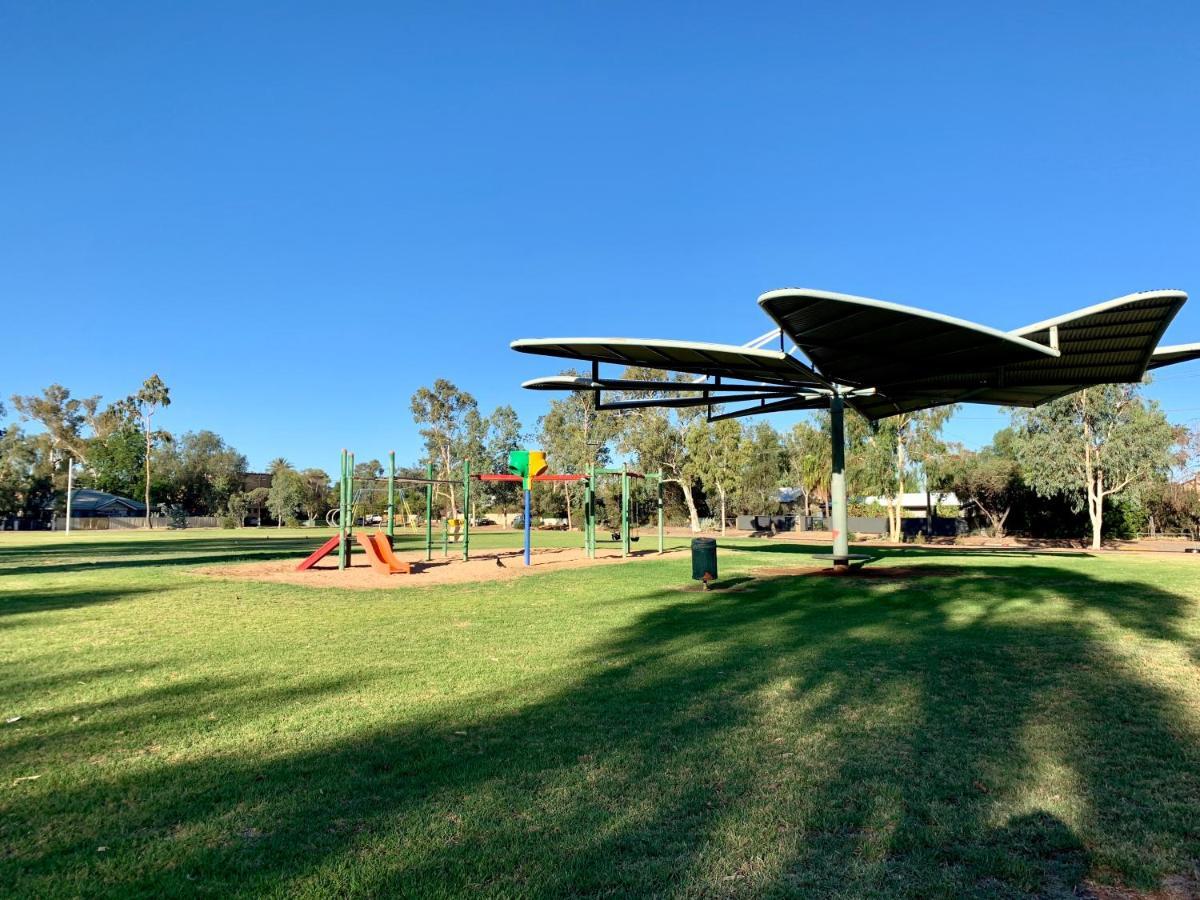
837,483
428,511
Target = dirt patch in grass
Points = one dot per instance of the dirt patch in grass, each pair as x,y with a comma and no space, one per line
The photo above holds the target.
487,565
1174,887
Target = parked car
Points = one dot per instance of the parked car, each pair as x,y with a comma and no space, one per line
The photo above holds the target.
483,520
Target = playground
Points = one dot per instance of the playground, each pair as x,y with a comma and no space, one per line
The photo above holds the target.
388,550
494,558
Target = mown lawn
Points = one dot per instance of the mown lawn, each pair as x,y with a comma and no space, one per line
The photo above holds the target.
1008,725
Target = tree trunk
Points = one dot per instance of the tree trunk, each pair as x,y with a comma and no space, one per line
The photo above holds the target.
1096,508
148,523
721,491
693,516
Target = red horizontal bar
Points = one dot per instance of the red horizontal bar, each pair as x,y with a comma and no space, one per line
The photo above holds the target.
535,477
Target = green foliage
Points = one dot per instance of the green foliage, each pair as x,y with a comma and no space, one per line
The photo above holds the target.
116,462
286,495
505,434
237,508
809,461
1094,444
318,495
655,438
62,415
25,482
987,482
198,472
257,501
575,435
1125,518
714,459
1174,507
761,461
443,411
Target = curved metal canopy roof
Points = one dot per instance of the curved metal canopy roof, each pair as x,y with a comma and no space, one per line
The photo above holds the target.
714,360
885,358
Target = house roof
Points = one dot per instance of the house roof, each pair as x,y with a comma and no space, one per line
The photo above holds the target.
87,500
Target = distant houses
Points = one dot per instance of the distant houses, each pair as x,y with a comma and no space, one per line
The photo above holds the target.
89,504
253,480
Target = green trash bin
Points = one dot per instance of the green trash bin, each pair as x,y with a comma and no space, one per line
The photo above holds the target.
704,560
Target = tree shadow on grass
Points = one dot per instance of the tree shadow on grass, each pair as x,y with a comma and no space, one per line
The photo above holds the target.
37,601
98,557
995,733
915,550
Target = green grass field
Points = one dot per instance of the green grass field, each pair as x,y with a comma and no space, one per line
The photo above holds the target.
1008,725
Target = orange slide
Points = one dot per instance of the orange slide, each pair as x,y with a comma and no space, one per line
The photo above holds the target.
380,555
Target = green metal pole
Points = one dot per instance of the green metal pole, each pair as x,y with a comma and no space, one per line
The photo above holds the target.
445,536
428,512
592,511
587,516
349,504
466,539
391,528
342,514
625,509
661,546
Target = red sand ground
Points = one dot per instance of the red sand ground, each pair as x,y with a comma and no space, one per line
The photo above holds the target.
489,565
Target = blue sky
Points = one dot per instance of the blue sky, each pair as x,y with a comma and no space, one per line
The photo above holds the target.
299,213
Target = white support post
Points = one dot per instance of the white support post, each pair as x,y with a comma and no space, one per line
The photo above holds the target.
70,488
837,483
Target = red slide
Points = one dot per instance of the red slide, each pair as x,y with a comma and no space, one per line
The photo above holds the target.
319,554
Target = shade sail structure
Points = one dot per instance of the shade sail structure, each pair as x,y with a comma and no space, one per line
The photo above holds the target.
863,342
698,358
880,358
885,358
1166,356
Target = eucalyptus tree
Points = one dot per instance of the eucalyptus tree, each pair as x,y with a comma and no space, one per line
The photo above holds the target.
809,460
715,459
443,411
504,434
1097,443
654,437
61,415
575,435
987,480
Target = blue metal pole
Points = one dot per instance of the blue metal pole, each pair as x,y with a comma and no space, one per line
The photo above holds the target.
526,527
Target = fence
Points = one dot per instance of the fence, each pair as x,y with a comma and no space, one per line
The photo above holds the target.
120,523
